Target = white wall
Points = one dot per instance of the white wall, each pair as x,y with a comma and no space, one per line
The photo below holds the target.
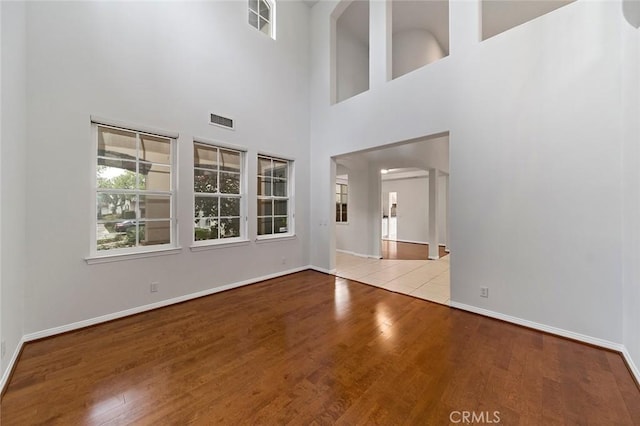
413,49
165,65
413,207
352,64
443,214
365,213
535,149
13,190
361,235
631,184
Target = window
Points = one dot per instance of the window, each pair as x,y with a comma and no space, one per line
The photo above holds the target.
135,194
341,202
274,187
261,16
218,189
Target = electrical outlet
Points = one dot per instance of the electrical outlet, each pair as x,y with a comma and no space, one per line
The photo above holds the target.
154,287
484,291
284,260
3,349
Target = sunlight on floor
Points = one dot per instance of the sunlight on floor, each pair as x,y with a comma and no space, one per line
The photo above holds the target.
425,279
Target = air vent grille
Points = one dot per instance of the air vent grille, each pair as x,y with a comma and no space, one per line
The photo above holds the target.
218,120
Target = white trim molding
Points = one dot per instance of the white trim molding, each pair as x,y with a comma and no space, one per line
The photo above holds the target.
121,314
367,256
408,241
323,270
118,257
595,341
618,347
635,371
133,127
4,381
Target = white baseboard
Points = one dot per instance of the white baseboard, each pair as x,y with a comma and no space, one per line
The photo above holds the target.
411,241
416,242
4,381
323,270
632,365
618,347
109,317
368,256
515,320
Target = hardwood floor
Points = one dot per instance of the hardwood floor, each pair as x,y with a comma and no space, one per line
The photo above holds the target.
311,348
407,251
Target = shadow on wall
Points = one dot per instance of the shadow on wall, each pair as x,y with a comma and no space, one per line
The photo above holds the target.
631,12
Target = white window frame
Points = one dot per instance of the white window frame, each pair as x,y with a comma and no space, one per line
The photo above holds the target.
339,202
242,196
99,256
290,198
271,4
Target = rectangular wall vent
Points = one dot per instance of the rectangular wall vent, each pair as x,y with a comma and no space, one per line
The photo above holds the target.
218,120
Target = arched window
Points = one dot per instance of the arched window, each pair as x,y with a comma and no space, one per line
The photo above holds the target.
262,16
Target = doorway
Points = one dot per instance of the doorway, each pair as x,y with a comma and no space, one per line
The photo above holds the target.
390,218
385,240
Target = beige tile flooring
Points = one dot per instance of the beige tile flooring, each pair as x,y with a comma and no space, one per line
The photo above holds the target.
425,279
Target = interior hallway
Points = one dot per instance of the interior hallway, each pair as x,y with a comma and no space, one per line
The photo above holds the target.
424,279
407,251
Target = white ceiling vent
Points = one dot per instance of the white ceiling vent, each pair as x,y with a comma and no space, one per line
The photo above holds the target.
218,120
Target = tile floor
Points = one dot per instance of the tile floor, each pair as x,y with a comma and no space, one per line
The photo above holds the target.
425,279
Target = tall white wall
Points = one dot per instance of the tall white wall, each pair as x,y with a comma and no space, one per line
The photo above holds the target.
13,176
164,65
532,113
631,185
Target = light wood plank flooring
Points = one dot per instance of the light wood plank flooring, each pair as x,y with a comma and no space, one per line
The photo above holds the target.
311,348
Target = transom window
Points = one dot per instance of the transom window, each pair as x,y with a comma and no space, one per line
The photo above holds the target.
274,186
341,202
218,189
134,191
261,16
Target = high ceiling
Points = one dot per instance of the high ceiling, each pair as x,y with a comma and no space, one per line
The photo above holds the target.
497,17
432,15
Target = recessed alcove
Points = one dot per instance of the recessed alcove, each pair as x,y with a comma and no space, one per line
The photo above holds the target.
499,16
420,34
350,50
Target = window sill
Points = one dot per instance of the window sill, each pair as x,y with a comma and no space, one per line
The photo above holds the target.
342,223
276,237
217,245
91,260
